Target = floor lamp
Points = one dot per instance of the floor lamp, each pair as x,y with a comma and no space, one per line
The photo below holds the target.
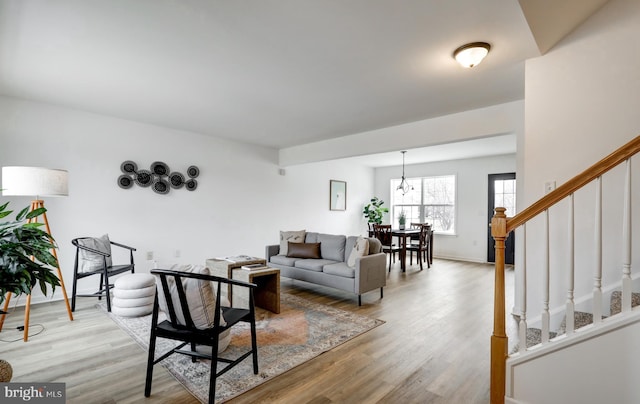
35,181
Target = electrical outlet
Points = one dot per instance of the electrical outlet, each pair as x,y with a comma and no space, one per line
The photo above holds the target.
177,254
149,255
549,186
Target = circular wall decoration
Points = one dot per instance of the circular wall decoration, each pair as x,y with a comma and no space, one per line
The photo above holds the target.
161,187
191,185
159,168
158,177
125,181
144,178
128,167
176,180
193,171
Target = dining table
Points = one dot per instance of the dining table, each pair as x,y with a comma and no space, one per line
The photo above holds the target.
403,235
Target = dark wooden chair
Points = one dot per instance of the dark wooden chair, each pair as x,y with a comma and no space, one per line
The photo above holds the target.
93,257
415,241
383,233
422,247
180,325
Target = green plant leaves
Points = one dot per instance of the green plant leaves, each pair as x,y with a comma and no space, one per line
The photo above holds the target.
374,212
25,254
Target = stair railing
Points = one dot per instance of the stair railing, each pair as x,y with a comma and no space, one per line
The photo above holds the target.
502,226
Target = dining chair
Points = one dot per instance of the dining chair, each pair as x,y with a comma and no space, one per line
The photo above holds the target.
422,247
383,233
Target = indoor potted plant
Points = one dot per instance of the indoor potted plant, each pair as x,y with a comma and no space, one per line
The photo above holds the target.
25,254
402,219
25,259
374,212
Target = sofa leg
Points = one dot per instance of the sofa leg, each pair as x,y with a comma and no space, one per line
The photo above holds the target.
359,300
381,296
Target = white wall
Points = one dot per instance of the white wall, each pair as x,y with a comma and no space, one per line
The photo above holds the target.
470,242
239,206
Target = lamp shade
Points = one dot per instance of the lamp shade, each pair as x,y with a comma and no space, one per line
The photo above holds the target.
34,181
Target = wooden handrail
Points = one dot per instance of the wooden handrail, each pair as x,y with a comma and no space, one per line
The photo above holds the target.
577,182
501,226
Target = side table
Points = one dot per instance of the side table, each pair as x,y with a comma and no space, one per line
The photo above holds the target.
266,295
223,268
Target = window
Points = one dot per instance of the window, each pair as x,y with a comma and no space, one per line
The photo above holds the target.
432,200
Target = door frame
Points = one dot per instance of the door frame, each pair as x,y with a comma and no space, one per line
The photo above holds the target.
509,253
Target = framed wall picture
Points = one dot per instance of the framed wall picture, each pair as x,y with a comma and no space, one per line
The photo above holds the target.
337,195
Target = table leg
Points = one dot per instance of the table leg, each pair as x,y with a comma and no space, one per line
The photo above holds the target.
403,253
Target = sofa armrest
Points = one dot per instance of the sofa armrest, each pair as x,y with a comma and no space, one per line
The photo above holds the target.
371,272
270,251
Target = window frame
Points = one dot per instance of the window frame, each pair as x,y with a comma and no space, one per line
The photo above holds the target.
422,206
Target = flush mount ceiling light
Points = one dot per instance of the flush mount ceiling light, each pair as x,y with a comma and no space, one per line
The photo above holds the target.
471,54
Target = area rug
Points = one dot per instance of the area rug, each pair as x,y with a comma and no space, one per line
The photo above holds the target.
302,331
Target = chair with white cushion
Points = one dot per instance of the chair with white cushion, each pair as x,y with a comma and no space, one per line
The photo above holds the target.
93,257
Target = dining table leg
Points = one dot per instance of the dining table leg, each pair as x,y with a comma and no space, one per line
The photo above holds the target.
403,253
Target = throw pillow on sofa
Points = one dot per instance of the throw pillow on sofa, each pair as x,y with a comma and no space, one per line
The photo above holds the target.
359,250
290,237
304,250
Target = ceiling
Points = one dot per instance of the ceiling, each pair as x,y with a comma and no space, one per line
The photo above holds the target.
276,73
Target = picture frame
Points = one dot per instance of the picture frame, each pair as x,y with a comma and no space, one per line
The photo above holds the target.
337,195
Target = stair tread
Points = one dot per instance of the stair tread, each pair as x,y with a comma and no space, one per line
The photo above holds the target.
616,301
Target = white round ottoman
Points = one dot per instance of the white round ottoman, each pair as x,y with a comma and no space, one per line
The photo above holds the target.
133,295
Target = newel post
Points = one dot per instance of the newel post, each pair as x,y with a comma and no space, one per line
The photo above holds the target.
499,340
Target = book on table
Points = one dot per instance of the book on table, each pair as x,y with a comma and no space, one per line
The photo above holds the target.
254,267
238,258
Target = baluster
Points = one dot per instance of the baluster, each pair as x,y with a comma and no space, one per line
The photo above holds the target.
626,241
569,315
597,278
522,326
545,281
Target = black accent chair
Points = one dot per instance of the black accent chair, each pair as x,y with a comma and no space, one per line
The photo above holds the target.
186,331
383,233
102,266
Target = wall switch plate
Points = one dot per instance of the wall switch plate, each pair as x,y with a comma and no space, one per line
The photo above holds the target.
549,186
149,255
177,254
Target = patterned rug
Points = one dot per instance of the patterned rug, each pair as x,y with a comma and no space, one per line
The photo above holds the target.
302,331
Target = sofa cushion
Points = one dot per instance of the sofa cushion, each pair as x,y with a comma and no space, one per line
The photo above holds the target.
90,261
290,236
332,246
201,297
304,250
283,260
340,269
313,264
311,237
375,246
359,250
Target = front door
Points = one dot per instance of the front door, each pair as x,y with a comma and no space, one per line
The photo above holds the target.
502,193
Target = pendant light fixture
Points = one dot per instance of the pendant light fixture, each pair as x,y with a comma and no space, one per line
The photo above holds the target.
404,185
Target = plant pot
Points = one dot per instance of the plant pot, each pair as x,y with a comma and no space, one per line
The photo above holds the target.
401,227
6,371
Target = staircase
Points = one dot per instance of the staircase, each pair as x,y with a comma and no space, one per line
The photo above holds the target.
571,347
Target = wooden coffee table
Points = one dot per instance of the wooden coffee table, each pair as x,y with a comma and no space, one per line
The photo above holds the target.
266,295
223,269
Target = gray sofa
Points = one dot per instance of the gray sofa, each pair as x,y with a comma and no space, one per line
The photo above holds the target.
331,269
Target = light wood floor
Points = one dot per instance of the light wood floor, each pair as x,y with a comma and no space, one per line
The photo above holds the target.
433,348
